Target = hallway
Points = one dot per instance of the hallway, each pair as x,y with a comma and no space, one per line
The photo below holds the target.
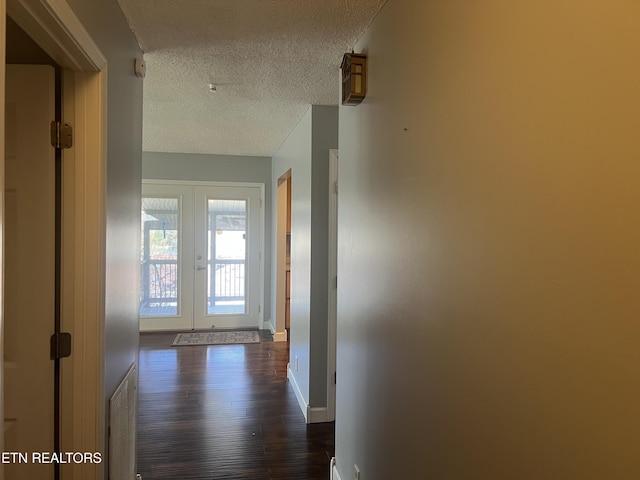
224,412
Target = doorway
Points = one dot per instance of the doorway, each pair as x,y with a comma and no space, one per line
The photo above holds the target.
82,233
283,258
201,259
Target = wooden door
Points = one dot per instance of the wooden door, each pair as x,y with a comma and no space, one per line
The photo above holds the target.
29,268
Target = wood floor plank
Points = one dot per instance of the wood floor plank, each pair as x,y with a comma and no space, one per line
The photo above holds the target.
224,412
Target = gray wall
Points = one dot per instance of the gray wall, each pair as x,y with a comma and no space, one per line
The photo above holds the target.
219,168
106,24
295,154
489,266
324,123
306,153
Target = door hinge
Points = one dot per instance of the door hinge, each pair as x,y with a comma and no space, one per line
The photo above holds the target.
335,378
259,308
335,282
335,187
61,135
60,345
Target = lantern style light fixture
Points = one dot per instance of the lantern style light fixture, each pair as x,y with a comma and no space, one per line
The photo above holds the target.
354,78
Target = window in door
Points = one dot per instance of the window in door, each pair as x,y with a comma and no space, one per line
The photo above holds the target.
159,256
226,238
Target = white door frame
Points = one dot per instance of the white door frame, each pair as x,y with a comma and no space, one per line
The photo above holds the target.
54,26
3,50
333,279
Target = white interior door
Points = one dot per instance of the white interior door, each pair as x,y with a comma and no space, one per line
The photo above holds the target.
29,267
201,259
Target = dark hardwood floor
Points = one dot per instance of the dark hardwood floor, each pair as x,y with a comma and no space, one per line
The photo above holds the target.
224,412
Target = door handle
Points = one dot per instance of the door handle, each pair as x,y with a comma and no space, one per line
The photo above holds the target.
200,268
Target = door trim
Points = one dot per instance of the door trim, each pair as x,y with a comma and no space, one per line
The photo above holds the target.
54,26
278,326
84,237
333,275
3,36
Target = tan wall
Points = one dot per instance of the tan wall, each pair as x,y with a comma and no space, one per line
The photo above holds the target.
488,306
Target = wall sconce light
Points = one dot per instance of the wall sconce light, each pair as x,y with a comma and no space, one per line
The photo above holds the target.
354,78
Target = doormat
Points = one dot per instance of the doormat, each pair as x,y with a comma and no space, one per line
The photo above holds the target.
216,338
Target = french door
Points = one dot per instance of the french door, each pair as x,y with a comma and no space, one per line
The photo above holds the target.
200,256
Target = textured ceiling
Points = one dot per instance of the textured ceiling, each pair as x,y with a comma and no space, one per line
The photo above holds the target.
269,59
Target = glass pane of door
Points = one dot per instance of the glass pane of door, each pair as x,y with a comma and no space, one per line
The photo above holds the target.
226,250
160,223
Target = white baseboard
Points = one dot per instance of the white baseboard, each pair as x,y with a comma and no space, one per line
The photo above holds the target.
311,414
280,336
296,389
269,326
334,474
317,414
277,336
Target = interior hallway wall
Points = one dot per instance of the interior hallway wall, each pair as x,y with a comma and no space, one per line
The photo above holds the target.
489,227
219,168
306,153
107,26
